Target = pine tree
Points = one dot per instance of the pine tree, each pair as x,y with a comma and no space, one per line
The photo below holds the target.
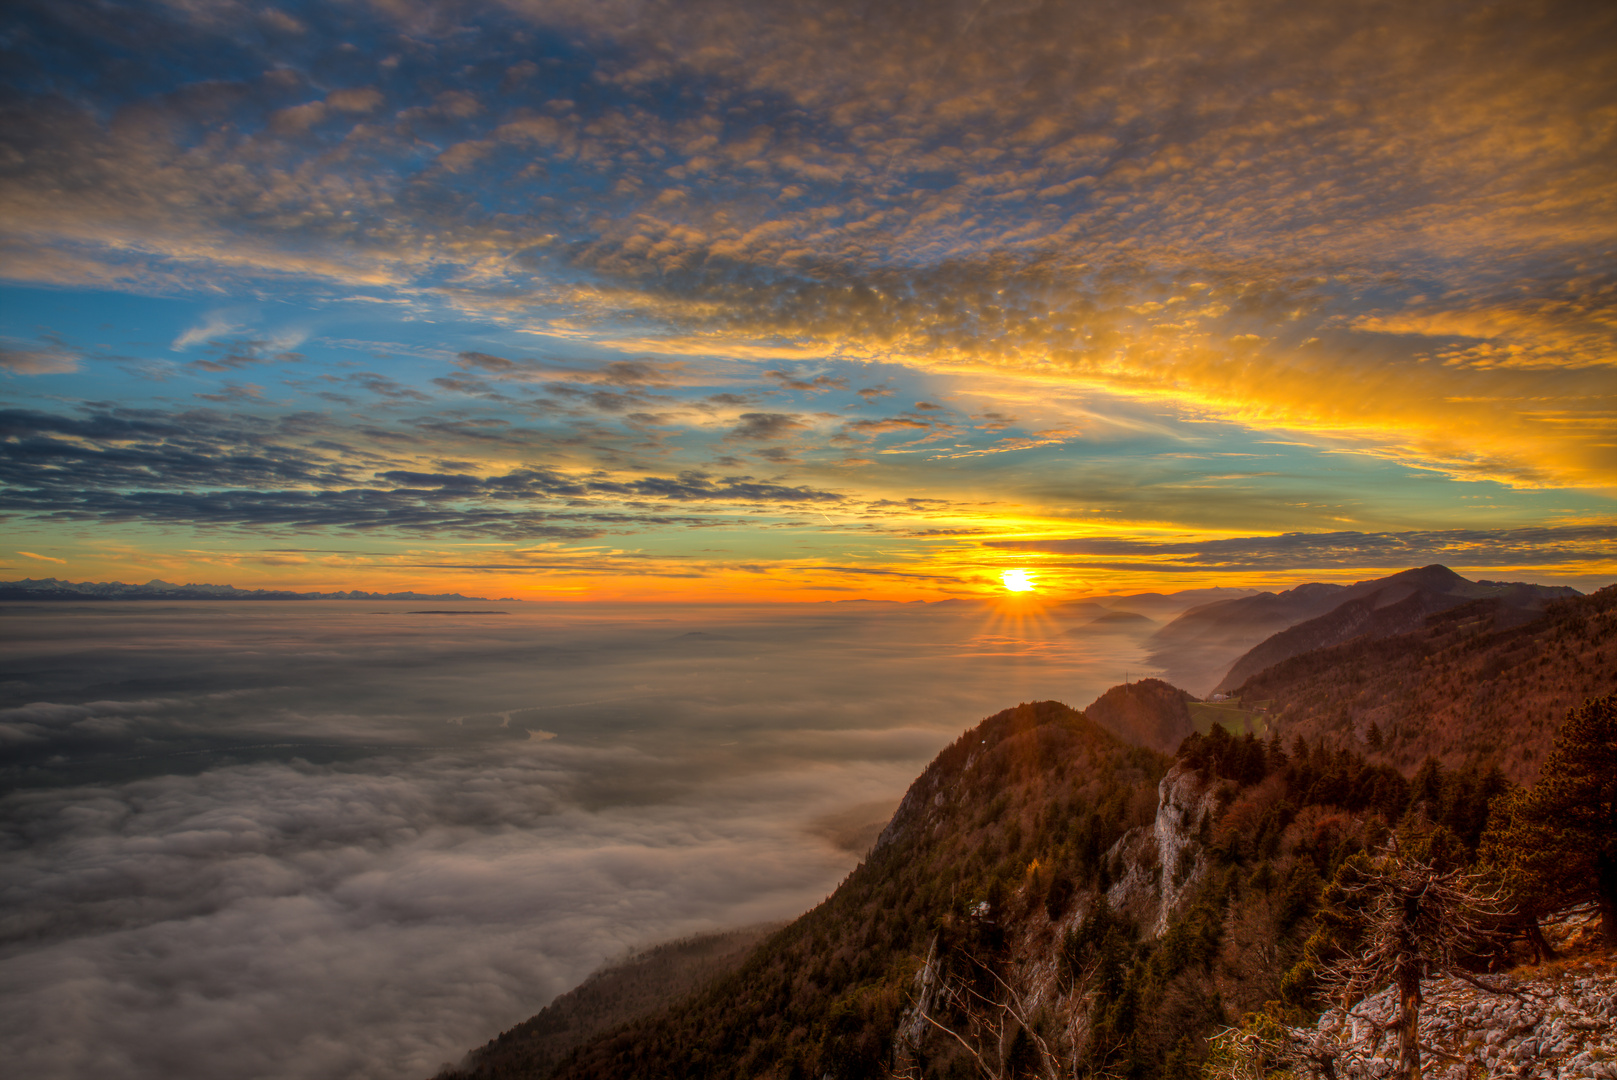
1555,844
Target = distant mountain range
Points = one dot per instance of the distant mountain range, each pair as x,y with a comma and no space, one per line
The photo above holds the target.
1472,683
1116,622
1160,605
1217,646
55,589
1475,682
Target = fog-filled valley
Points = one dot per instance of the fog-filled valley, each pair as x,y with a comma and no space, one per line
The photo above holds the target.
322,839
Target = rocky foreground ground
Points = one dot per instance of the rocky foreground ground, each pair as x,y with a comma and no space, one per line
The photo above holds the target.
1554,1022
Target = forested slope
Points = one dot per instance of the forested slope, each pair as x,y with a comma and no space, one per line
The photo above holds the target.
1472,684
1037,783
1391,606
638,985
1046,895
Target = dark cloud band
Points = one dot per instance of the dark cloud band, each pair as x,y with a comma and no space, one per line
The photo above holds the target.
1527,546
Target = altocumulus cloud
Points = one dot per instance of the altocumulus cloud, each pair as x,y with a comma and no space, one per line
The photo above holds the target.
211,468
1294,211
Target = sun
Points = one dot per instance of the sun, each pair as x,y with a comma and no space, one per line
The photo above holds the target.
1016,580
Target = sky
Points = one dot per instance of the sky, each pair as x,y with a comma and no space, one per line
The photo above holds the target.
329,840
621,300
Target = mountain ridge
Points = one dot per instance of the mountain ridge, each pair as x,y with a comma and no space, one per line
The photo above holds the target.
1471,683
1388,607
1200,648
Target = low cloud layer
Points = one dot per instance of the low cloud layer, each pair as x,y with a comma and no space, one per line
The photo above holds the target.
368,921
338,840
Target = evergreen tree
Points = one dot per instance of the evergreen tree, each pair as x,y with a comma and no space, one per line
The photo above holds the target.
1275,756
1555,844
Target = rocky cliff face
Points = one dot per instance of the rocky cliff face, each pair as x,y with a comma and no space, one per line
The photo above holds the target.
1162,863
1161,866
1185,801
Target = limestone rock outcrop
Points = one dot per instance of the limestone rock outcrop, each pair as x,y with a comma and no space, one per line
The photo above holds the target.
1556,1027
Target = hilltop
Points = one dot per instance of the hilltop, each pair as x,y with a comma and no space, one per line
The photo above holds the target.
1146,713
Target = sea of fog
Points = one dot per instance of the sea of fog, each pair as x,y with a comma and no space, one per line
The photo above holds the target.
350,839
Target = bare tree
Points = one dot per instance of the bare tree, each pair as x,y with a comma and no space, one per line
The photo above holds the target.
995,1013
1406,920
1416,920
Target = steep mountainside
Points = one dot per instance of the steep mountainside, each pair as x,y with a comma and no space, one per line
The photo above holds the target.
1399,607
1024,813
1471,684
1047,901
622,991
1145,713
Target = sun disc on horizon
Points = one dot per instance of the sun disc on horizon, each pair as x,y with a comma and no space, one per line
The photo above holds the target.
1016,580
